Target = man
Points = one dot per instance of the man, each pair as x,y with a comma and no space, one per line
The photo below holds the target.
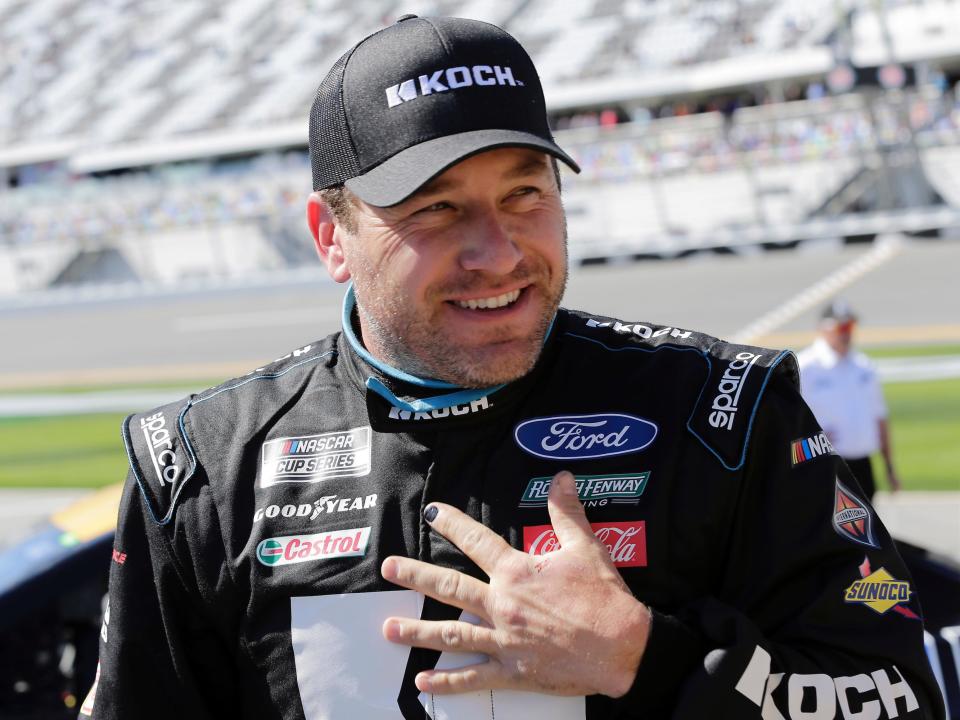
841,387
384,523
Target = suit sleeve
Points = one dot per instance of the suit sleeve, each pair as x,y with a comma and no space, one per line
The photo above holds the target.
815,615
160,656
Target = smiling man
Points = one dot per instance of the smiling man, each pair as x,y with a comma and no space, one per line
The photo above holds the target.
471,503
460,280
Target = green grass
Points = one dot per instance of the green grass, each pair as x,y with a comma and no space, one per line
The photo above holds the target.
925,426
86,450
187,386
899,351
69,451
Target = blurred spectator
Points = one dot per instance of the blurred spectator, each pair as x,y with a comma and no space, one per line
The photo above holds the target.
841,387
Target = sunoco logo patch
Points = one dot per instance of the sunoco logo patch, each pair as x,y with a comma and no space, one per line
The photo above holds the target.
880,592
312,458
621,489
321,546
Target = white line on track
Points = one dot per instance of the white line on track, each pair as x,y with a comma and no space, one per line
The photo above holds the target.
884,249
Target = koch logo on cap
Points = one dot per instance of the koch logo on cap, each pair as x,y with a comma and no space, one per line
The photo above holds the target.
409,101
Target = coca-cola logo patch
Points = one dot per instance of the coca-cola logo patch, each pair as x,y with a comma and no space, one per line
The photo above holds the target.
580,437
625,541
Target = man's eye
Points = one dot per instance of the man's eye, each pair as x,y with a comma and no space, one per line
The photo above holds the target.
525,191
435,207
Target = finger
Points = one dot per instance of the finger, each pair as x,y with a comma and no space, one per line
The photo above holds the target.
443,584
479,543
442,635
470,678
566,511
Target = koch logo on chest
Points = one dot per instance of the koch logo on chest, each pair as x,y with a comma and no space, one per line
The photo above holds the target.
580,437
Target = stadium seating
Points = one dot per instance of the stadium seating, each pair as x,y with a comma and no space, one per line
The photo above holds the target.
120,70
82,80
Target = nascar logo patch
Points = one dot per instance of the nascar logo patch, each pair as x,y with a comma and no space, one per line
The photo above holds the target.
810,448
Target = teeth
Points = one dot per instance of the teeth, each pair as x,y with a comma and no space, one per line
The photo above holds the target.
491,302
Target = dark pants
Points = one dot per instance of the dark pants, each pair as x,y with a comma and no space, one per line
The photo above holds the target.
863,472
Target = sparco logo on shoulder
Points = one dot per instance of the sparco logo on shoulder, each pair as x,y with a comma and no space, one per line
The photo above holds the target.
449,79
160,444
579,437
728,391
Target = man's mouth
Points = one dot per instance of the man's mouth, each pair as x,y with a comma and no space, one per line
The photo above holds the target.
489,303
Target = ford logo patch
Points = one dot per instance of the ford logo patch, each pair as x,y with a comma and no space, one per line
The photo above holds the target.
579,437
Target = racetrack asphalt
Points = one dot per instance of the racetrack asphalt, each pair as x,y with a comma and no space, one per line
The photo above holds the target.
910,297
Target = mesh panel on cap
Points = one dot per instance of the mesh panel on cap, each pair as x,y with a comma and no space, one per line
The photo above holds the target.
331,149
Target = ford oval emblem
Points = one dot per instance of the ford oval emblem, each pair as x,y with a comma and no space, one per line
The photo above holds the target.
579,437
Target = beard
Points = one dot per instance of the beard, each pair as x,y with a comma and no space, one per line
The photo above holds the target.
412,339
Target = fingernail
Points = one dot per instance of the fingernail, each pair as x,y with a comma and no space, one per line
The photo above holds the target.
422,682
568,486
393,630
430,513
389,569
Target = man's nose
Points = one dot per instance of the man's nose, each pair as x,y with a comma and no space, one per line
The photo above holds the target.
489,246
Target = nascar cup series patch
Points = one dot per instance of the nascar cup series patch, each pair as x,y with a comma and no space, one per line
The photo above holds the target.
852,517
312,458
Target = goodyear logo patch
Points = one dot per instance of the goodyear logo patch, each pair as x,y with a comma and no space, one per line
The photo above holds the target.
312,458
810,448
320,546
619,489
879,591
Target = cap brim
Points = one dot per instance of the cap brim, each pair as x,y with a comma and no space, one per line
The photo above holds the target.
396,179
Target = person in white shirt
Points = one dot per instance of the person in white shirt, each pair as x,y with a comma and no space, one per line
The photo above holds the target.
840,384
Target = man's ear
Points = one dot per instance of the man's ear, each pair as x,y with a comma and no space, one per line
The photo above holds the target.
327,237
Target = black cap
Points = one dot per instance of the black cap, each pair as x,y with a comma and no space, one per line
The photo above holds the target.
838,311
409,101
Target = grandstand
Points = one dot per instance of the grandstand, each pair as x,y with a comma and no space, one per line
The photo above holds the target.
144,144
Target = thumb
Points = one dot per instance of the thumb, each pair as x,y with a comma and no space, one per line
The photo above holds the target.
566,511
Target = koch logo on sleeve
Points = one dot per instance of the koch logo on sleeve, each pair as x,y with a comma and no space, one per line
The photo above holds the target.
312,458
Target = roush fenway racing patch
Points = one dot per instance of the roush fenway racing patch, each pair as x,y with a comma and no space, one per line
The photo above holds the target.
625,541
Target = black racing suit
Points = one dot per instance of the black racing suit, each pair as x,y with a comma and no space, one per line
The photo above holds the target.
246,583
